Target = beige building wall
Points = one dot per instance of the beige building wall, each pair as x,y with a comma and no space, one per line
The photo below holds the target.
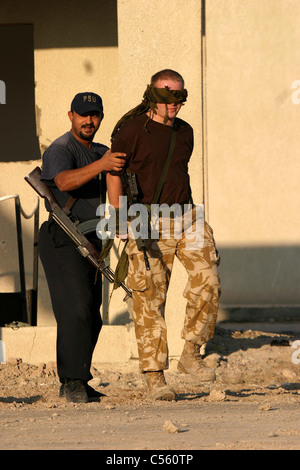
253,148
245,164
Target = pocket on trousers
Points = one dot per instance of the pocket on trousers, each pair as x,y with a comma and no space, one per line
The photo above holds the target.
214,253
137,279
215,256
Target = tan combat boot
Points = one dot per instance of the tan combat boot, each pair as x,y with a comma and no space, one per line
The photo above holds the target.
190,362
157,386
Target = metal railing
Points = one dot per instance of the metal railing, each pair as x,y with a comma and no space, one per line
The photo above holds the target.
22,306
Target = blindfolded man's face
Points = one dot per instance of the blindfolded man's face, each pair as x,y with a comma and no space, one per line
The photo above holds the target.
171,109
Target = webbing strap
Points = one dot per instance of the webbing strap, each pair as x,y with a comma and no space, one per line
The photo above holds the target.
163,175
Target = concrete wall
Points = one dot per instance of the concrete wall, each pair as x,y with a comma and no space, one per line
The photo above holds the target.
253,147
244,167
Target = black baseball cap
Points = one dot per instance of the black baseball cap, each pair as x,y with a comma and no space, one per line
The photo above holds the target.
87,102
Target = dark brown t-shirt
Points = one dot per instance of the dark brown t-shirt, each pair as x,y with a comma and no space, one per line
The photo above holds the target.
147,152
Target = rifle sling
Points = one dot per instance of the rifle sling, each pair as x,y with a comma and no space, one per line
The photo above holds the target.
165,169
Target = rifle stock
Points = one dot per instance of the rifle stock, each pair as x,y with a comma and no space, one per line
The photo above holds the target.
84,246
34,179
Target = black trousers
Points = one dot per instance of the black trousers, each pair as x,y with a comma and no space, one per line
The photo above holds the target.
76,301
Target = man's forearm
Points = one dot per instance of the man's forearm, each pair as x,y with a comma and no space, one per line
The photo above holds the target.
69,180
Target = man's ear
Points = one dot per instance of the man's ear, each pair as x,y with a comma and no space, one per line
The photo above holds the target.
70,114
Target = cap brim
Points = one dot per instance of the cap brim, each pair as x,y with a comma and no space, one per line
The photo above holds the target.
86,109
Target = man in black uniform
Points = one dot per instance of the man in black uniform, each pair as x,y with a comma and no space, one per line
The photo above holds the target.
74,167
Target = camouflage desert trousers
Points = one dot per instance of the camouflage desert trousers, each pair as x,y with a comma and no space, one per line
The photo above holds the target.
149,291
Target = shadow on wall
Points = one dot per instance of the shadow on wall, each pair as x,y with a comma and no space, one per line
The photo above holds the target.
68,24
96,26
260,275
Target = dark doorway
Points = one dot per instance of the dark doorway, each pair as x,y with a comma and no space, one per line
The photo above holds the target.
18,139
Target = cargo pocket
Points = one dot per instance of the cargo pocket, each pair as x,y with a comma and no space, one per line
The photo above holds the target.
214,253
216,256
137,279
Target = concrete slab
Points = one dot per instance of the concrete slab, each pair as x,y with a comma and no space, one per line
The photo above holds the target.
116,345
38,344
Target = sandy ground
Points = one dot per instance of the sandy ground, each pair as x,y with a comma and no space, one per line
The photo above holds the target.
253,405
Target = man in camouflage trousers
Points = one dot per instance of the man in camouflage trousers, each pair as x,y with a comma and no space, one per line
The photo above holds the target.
144,135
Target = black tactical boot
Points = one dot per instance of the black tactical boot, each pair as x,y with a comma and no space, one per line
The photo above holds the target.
75,391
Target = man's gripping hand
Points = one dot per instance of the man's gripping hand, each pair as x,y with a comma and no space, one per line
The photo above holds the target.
113,161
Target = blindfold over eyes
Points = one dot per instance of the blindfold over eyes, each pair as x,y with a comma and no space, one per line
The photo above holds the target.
164,95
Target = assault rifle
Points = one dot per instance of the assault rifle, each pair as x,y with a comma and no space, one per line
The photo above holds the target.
131,189
84,246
